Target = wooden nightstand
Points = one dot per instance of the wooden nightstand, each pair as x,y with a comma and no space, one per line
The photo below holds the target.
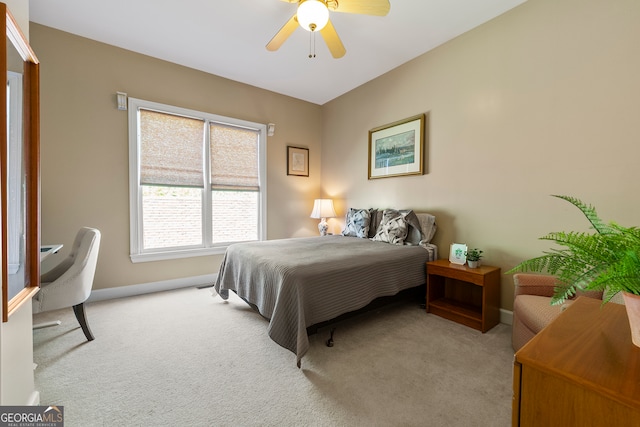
470,296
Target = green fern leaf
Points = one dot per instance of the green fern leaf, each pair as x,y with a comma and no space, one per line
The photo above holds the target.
607,260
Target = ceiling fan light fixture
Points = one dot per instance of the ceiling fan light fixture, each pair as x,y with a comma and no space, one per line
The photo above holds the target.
313,15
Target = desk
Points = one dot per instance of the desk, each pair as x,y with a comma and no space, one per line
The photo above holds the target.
581,370
47,250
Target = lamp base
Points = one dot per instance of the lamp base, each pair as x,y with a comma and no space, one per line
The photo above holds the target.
323,227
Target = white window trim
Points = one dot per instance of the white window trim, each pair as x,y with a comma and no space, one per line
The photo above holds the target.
137,253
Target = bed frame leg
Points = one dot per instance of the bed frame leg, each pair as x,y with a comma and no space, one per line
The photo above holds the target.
330,340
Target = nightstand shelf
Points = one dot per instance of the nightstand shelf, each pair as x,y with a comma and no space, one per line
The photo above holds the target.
453,307
469,296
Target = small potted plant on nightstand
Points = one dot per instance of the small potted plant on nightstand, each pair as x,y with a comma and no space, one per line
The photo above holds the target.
473,257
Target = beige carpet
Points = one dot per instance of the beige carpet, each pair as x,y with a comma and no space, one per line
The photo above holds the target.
186,358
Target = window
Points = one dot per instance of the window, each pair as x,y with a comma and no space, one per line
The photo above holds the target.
196,181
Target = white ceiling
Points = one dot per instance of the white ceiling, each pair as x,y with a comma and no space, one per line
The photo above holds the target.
228,37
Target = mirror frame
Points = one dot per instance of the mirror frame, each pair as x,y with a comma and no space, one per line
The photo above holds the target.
31,147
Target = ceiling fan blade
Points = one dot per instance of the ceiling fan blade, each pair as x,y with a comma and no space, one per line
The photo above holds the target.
333,41
363,7
282,35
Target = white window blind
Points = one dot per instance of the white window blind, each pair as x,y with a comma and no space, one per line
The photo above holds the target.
170,149
234,158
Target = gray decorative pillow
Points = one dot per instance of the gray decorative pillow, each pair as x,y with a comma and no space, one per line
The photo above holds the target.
357,223
376,217
393,228
428,226
414,232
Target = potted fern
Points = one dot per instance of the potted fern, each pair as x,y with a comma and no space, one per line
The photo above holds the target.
473,257
606,260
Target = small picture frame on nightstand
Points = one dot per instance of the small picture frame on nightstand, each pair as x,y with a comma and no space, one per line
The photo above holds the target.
457,254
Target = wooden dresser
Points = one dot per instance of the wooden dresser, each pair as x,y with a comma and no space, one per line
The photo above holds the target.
581,370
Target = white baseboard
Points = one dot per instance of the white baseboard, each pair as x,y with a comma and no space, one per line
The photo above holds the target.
506,316
147,288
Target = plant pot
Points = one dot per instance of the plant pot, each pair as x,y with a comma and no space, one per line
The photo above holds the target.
473,264
632,304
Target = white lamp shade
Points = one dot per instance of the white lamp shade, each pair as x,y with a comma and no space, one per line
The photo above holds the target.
323,208
313,15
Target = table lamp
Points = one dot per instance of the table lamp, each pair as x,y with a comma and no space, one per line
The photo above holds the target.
323,209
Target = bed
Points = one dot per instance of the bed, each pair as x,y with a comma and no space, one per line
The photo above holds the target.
300,282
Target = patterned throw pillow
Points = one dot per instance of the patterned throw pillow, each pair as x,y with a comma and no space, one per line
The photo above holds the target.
357,223
393,228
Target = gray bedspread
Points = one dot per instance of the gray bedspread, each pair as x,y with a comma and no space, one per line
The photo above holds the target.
299,282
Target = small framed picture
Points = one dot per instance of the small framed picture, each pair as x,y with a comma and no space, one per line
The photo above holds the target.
457,254
297,161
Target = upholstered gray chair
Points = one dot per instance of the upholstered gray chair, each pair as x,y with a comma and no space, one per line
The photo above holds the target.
69,283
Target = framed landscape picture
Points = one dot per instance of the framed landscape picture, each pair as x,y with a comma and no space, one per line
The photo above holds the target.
297,161
397,149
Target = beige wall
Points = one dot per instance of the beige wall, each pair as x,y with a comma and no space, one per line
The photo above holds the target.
542,100
20,11
84,147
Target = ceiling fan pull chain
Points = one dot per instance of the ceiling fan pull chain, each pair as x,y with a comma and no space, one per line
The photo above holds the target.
312,44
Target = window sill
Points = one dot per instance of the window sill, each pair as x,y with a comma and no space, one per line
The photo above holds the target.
177,254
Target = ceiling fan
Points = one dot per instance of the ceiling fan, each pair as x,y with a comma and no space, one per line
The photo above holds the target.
313,15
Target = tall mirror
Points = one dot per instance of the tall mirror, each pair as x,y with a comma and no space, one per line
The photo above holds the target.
19,172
